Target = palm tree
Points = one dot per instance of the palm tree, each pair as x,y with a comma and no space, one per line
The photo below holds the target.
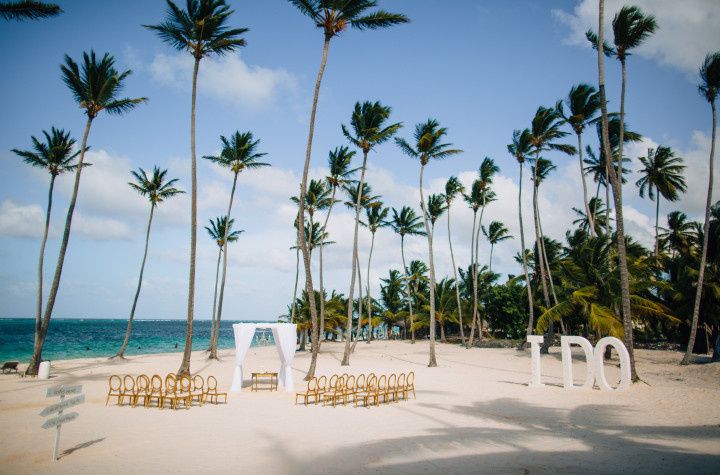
376,217
157,190
709,87
495,233
428,146
220,232
613,175
584,223
28,10
339,161
481,195
453,187
369,129
333,17
583,103
201,30
239,153
520,149
56,156
679,233
95,88
407,223
662,173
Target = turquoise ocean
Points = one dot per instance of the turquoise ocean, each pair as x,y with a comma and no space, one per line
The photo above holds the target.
70,338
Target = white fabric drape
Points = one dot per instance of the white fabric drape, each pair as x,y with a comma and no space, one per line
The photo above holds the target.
284,335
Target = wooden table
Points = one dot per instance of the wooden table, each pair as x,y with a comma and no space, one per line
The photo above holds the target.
273,380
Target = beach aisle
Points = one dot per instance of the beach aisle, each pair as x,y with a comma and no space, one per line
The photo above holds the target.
473,414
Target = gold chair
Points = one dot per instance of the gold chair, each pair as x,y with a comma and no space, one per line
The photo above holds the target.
338,392
321,387
360,383
184,389
311,391
155,391
350,389
391,388
381,391
400,387
212,391
198,389
410,385
171,392
370,391
128,390
142,389
115,384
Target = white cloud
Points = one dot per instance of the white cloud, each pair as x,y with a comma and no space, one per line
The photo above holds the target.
225,78
688,29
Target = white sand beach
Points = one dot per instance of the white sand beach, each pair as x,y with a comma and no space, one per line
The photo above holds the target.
473,414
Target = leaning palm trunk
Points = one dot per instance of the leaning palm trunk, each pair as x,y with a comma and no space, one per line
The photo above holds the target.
657,220
322,288
358,328
457,286
550,278
367,291
545,348
185,364
476,315
591,217
355,266
432,362
538,237
615,180
315,333
297,274
469,342
121,353
531,311
703,258
409,293
216,333
32,368
214,314
38,313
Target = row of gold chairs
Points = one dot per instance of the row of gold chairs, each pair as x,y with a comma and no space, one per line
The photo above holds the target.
172,390
362,389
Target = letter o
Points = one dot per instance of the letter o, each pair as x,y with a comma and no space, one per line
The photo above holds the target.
600,363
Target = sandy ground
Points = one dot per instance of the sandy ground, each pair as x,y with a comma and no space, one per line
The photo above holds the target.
473,414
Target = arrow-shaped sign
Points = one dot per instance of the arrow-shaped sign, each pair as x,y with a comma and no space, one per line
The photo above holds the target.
73,401
61,419
63,390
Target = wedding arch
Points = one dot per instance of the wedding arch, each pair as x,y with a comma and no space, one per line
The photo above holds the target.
285,336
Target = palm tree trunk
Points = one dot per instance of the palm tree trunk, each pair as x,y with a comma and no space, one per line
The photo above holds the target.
531,311
322,287
32,368
594,211
41,259
301,234
216,333
591,217
687,359
551,327
358,328
616,182
657,219
538,236
409,293
491,254
432,361
351,293
473,247
297,274
608,229
185,364
455,276
369,300
214,314
121,353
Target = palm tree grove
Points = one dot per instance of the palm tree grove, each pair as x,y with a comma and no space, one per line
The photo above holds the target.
420,205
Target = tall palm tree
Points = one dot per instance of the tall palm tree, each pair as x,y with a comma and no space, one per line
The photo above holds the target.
583,104
333,17
369,129
520,149
407,223
435,208
376,218
428,146
615,178
156,189
239,153
495,233
201,30
56,155
709,87
662,174
453,187
220,232
582,220
339,161
28,10
679,234
482,196
95,86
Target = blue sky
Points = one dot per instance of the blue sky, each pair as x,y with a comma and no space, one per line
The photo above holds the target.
480,68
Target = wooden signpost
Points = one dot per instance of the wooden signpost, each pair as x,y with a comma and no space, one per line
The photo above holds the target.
57,409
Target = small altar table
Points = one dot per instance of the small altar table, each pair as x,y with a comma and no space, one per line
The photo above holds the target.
273,380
